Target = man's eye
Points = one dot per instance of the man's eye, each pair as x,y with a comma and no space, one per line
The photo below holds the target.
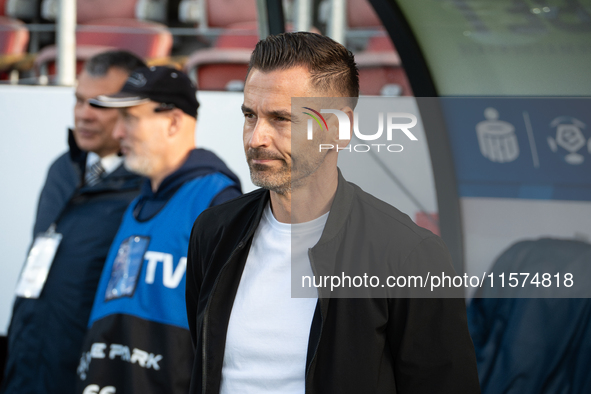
249,116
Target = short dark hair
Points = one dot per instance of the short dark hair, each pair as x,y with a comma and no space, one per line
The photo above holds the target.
99,65
331,66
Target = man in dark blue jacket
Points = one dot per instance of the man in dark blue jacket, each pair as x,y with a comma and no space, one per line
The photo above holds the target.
138,339
85,194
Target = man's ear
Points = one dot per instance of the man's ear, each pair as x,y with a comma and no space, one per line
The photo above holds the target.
349,111
176,121
335,136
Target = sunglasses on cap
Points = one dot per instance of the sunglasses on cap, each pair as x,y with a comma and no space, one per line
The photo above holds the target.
163,107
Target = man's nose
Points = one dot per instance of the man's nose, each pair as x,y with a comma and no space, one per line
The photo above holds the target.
119,129
261,134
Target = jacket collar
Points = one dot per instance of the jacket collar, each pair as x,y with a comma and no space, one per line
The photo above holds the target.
339,210
77,156
257,214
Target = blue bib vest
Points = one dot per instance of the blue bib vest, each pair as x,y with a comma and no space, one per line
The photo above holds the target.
138,339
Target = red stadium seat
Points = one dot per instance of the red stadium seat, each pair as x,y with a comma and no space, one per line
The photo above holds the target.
219,68
224,13
224,66
14,36
145,39
360,14
240,35
89,10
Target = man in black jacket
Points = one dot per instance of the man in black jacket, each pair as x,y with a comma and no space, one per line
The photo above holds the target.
85,194
250,335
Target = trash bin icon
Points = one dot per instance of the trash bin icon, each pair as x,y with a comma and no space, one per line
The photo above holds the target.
496,138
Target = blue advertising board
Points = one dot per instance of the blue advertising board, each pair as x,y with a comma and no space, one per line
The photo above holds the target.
532,148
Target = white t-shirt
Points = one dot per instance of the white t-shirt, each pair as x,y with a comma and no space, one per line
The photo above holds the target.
267,338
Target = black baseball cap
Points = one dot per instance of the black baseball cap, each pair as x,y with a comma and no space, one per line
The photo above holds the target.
161,84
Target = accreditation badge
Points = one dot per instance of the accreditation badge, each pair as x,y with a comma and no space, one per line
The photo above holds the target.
127,267
38,263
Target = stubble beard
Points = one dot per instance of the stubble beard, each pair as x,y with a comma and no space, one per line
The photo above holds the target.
278,181
287,176
138,165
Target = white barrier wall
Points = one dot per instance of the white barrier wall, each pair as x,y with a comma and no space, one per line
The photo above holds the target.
32,134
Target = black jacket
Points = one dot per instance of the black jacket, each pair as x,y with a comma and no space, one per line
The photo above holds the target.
356,345
45,334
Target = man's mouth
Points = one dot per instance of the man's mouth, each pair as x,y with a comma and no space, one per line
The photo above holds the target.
86,133
262,161
256,156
